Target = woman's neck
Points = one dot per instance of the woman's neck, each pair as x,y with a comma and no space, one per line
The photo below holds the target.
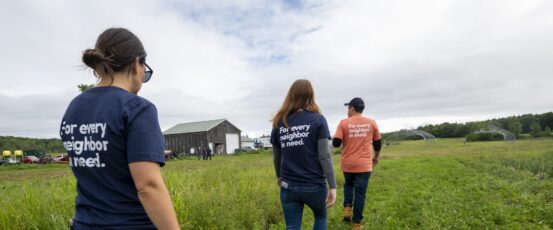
116,80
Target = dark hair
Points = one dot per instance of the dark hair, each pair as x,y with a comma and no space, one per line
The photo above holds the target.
115,51
358,109
300,96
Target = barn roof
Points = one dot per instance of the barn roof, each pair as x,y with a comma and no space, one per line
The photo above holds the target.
246,139
193,127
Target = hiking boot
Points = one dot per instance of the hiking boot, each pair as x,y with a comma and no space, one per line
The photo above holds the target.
347,214
356,226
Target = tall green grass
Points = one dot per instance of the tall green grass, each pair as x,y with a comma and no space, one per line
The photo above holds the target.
540,164
446,185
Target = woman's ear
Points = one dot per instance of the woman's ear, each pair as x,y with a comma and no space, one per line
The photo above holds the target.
135,68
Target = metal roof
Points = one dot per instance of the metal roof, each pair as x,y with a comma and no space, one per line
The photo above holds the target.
246,139
193,127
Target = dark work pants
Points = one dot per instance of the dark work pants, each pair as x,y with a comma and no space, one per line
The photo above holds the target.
355,188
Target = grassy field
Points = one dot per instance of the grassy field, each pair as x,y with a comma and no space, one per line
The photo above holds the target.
445,185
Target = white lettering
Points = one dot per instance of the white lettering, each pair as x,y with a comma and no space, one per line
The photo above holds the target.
103,126
89,162
294,136
361,130
93,141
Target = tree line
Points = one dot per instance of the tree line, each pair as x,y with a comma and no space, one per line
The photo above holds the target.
11,143
52,145
534,125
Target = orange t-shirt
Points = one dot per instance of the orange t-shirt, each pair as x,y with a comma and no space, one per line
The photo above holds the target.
357,134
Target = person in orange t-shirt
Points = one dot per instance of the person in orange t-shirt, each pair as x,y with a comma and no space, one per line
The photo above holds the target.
358,136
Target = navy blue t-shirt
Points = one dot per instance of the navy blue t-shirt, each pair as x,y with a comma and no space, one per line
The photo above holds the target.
300,164
103,130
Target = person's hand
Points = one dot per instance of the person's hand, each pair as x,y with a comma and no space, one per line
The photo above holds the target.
278,181
331,197
375,161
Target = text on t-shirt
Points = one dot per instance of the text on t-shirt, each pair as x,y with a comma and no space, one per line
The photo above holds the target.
294,135
92,135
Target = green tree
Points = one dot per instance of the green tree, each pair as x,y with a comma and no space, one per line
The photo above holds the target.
462,130
535,129
546,120
52,145
515,127
84,87
547,131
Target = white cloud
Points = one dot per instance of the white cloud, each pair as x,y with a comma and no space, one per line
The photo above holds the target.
414,62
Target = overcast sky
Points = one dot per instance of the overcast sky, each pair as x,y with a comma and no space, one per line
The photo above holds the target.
414,62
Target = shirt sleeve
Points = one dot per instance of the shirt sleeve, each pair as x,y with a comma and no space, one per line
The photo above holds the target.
144,138
339,132
274,137
325,159
323,129
277,159
376,132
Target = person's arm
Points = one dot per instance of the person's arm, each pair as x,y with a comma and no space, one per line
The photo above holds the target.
277,154
336,142
338,136
276,162
326,162
328,169
377,145
153,194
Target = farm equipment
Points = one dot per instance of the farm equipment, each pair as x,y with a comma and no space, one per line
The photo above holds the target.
18,155
9,158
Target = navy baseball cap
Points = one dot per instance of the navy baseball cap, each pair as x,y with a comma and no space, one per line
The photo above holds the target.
357,103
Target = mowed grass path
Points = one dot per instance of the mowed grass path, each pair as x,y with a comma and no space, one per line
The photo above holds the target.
445,185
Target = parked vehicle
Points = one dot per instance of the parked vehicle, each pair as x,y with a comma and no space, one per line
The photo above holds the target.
248,149
11,160
41,155
45,159
61,159
30,160
263,142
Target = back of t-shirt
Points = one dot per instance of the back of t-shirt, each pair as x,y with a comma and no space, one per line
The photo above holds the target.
103,130
298,142
357,134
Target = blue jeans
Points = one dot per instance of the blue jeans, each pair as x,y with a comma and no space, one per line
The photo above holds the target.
356,183
293,200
